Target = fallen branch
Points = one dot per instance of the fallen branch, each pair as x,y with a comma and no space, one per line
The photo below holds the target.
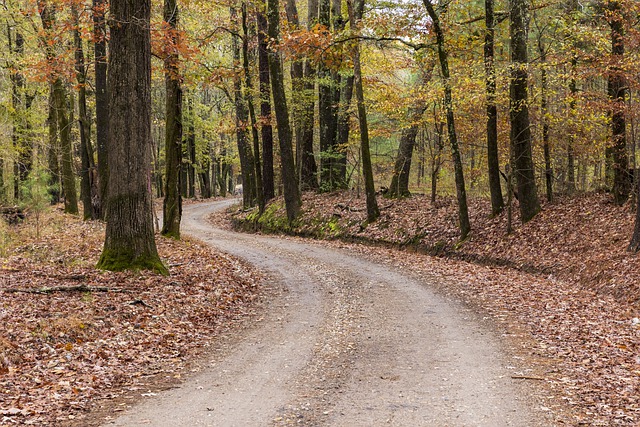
349,208
79,288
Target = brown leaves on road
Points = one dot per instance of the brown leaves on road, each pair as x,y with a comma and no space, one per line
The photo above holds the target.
71,336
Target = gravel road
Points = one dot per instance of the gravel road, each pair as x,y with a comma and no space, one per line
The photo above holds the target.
348,343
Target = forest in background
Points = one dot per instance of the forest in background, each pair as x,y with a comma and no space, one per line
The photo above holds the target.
442,98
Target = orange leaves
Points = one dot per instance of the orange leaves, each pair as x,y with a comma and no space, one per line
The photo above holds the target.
318,45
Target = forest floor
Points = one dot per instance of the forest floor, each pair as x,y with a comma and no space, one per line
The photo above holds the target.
74,339
564,279
562,290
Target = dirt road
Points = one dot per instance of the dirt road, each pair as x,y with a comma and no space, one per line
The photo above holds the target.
350,343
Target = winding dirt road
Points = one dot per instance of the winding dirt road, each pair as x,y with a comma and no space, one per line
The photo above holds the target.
349,343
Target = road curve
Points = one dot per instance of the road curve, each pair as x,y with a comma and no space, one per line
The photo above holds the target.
350,343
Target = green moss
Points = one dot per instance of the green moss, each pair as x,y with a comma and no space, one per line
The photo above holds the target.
113,260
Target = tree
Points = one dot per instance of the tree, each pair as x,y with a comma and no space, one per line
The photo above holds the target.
617,89
521,153
373,212
129,240
248,85
266,130
88,186
399,186
247,162
285,138
461,192
172,203
102,100
307,161
60,101
493,162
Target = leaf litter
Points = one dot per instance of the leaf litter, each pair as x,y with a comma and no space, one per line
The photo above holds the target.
562,287
75,339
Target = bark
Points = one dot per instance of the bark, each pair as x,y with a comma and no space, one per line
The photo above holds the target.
285,138
191,152
436,161
102,100
548,172
66,154
327,114
129,240
373,212
88,188
172,203
247,163
266,130
519,113
399,186
47,15
53,161
461,192
248,83
493,161
21,141
308,166
617,89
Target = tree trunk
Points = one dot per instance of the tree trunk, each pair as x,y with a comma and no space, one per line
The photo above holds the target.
519,113
308,166
461,192
548,172
289,181
327,113
399,186
172,203
247,163
86,152
266,130
191,151
129,240
102,100
47,15
373,212
21,141
493,161
53,161
617,89
252,112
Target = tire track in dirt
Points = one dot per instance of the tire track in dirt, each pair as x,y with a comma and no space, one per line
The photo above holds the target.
349,343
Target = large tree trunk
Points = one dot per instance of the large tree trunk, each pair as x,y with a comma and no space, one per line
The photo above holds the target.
519,113
493,161
461,191
285,138
86,152
172,203
373,212
617,89
129,240
266,130
102,100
